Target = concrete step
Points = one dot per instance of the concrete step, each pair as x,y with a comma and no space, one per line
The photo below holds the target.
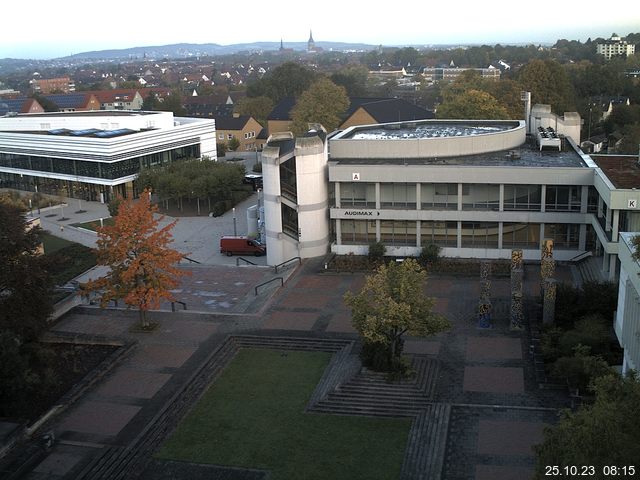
365,410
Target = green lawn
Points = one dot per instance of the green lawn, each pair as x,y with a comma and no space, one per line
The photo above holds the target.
253,416
94,224
70,259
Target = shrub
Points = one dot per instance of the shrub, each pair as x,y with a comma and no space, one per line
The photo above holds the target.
593,297
257,167
580,369
590,331
377,251
233,144
429,254
221,149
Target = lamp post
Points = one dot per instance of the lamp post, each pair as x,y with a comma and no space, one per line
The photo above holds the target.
235,229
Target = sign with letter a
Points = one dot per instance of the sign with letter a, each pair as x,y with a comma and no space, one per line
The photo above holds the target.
355,177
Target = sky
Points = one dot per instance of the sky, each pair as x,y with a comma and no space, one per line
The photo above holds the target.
43,29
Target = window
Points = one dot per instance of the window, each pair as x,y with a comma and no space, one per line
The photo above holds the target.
289,221
398,232
479,234
564,235
357,194
444,234
439,196
481,197
522,197
358,231
221,136
521,235
230,136
398,195
563,198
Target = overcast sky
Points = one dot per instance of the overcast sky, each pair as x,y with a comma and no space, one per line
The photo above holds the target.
45,29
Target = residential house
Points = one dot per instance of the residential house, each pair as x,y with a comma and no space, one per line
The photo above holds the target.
74,102
242,127
208,106
46,86
119,99
361,111
19,105
615,47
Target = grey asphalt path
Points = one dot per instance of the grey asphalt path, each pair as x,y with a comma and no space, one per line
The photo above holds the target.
196,237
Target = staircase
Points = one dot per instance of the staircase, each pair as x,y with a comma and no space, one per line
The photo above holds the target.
590,269
369,393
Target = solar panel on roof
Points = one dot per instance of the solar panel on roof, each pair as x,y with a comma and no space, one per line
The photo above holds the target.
114,133
58,131
86,131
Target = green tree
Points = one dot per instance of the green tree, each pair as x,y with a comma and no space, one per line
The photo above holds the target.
24,278
549,84
603,434
233,144
472,104
324,102
257,107
353,79
173,103
392,303
151,103
287,80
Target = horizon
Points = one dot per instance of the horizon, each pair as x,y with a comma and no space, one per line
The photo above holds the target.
495,23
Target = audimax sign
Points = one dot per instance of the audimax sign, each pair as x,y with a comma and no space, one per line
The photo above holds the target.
361,213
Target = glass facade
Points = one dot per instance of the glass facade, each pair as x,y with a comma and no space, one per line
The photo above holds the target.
522,197
564,235
398,233
480,235
289,221
398,195
443,234
288,183
103,170
439,196
561,198
358,194
358,231
520,235
481,197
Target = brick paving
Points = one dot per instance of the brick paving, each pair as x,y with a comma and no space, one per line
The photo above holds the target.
477,367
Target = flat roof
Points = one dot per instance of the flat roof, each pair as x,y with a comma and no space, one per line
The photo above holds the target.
427,129
622,170
526,155
91,113
430,130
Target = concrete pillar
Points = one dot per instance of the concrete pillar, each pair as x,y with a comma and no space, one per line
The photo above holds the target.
378,230
614,227
541,234
605,261
459,197
500,229
378,202
338,231
543,198
459,239
337,194
582,239
418,229
613,261
501,202
607,223
418,196
584,199
600,206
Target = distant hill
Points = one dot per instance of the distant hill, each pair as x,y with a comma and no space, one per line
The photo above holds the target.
194,49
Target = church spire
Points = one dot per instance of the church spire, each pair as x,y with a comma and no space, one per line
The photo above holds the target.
311,45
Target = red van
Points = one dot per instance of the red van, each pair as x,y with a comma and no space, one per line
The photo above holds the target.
241,246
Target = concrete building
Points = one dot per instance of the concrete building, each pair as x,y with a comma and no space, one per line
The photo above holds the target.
295,196
243,128
435,74
94,155
478,189
627,316
46,86
614,47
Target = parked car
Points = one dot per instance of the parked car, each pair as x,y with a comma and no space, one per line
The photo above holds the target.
241,246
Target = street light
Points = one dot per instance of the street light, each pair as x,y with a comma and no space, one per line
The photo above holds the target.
235,230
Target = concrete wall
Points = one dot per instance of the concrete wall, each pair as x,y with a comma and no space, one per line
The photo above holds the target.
344,147
567,125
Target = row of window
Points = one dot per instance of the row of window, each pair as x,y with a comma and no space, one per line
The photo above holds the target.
444,196
83,168
472,234
247,135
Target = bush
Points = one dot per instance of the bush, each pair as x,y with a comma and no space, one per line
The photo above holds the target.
377,251
233,144
575,303
114,205
580,369
590,331
429,255
221,149
257,167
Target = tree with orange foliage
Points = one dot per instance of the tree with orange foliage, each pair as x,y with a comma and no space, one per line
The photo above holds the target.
142,266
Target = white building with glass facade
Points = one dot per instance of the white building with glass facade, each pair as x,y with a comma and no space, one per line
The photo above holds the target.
627,316
94,155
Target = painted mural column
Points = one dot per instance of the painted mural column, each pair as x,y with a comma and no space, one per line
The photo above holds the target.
484,304
517,274
548,284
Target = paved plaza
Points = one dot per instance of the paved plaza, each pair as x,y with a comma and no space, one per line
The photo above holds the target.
485,375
